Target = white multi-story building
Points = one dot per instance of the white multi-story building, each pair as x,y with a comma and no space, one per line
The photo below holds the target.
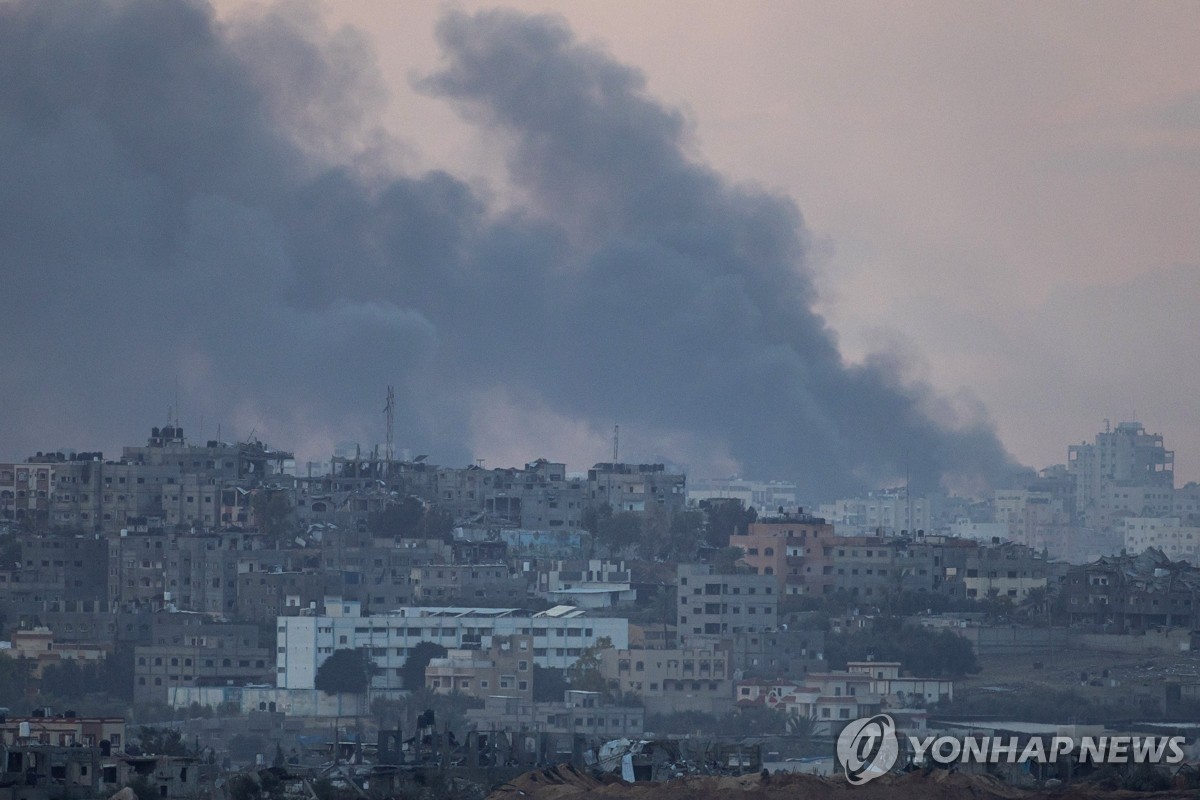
765,497
891,511
1034,519
560,635
1119,468
1186,504
587,584
1177,541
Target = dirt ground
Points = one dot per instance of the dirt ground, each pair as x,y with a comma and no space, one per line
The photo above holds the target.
565,783
1138,674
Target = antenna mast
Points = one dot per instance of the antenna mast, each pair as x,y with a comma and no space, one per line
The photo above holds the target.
389,413
616,442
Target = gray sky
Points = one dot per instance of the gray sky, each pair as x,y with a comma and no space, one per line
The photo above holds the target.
1009,193
538,227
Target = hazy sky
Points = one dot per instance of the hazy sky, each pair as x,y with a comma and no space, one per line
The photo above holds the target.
1007,192
290,208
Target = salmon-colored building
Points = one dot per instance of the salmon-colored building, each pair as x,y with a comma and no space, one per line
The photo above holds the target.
790,547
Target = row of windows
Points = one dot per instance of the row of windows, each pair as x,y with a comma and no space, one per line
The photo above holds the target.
207,662
537,633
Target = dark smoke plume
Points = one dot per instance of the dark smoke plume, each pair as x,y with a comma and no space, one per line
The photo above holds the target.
169,207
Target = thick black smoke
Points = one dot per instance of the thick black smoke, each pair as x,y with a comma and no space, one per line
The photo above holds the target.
168,208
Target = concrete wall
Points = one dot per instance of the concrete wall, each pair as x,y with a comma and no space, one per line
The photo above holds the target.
1176,640
993,641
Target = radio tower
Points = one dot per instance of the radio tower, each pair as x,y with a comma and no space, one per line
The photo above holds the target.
389,413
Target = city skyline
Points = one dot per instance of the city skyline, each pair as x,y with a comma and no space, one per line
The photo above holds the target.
272,256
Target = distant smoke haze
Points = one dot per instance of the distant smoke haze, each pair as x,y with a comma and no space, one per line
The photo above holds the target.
193,201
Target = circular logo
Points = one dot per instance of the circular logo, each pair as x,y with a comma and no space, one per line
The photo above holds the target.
867,748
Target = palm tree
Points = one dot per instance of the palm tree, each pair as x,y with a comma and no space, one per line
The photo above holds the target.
803,727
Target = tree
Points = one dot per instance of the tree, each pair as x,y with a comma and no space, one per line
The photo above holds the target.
653,538
64,680
90,687
593,516
658,608
345,671
585,673
685,535
549,684
940,654
161,742
725,560
413,671
725,518
803,727
15,675
619,531
115,675
756,721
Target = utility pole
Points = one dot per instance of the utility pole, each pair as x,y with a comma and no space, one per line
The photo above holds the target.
389,413
613,466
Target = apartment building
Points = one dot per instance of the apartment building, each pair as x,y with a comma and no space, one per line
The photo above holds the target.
890,512
467,584
779,653
636,487
1168,534
1129,593
26,490
687,679
708,603
560,635
505,668
187,650
1004,570
597,583
786,547
765,497
1119,469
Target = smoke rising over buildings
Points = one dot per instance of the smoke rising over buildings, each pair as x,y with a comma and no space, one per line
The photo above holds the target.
177,199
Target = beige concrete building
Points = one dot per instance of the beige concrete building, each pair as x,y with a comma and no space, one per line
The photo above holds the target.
709,603
691,679
899,691
505,668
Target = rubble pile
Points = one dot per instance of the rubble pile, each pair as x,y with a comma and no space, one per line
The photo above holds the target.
567,783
